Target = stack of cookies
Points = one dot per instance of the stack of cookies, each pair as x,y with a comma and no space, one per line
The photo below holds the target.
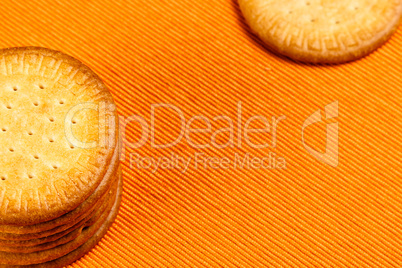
60,179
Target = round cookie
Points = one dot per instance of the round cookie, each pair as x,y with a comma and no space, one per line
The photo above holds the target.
70,233
64,239
83,244
58,134
10,232
6,238
319,31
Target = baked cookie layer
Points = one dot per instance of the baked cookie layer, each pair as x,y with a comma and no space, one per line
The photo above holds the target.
80,246
37,244
62,250
323,31
58,134
12,232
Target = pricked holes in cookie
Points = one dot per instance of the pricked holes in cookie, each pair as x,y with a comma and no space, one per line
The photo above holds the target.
4,129
11,150
30,133
72,147
41,86
51,140
30,176
35,103
73,121
36,156
3,178
8,106
61,102
15,88
55,167
51,119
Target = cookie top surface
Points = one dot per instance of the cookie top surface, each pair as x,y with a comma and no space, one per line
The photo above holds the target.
57,134
323,31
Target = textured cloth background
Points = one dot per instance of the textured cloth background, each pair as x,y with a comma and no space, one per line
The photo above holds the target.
201,57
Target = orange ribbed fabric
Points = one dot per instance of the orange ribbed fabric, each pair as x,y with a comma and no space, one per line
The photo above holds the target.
201,57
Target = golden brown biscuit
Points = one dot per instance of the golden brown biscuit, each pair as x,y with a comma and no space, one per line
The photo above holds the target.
60,178
323,31
44,174
69,219
71,233
67,253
